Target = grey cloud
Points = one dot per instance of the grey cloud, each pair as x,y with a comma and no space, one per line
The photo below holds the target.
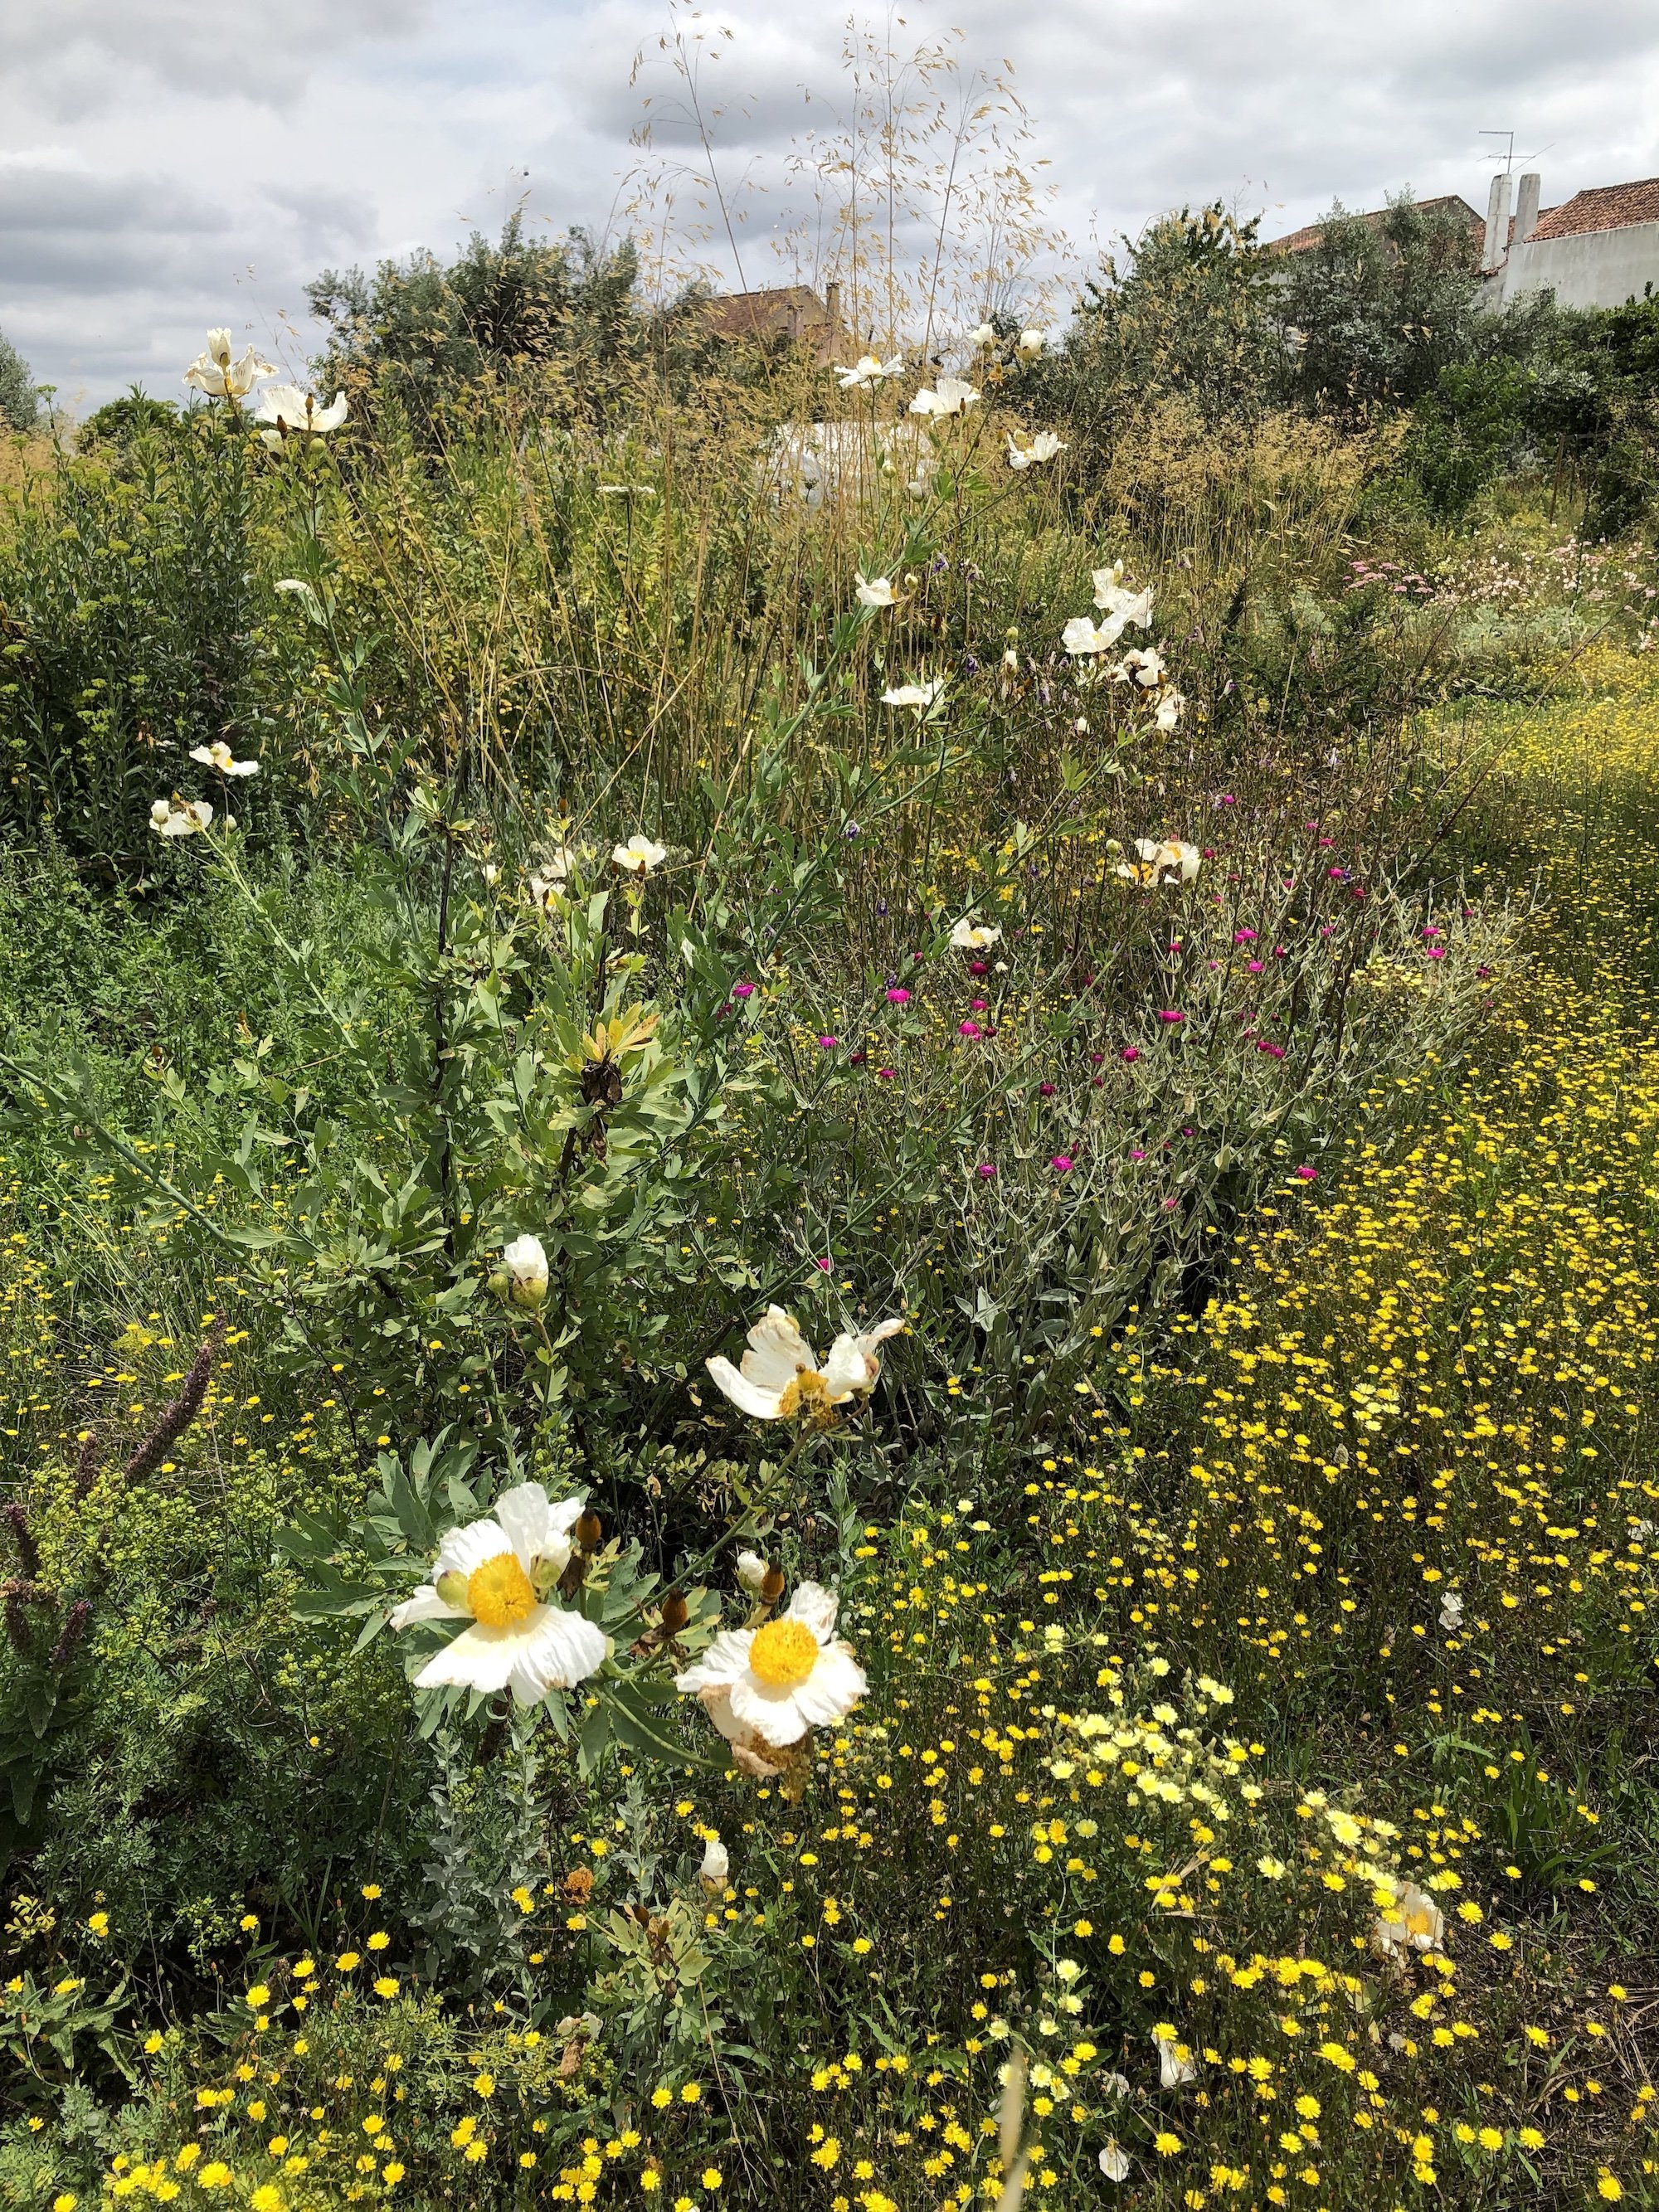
70,230
78,55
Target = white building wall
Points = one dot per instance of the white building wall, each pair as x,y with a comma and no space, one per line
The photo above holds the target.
1596,268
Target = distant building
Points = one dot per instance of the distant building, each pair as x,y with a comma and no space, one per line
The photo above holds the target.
787,311
1596,250
1305,239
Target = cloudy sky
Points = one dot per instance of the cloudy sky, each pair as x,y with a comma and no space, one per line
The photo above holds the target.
165,164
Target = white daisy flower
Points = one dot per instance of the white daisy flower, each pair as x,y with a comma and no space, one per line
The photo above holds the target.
498,1575
777,1681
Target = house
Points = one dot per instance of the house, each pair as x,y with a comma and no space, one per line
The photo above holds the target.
1305,239
1596,250
786,311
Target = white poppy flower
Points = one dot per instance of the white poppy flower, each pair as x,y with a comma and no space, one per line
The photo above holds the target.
1081,634
984,336
1144,664
1024,449
1114,2162
1451,1610
752,1571
1170,708
294,414
546,884
526,1265
639,856
1031,344
1172,861
214,373
781,1377
716,1868
497,1575
218,755
867,369
875,591
950,396
1134,607
176,818
777,1681
1413,1923
1176,2062
971,936
853,1367
919,695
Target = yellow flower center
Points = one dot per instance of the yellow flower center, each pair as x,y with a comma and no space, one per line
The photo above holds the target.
499,1593
783,1654
808,1394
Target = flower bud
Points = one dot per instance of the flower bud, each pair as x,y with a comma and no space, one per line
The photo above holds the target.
524,1263
752,1571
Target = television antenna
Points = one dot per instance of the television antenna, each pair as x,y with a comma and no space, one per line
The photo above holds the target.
1509,156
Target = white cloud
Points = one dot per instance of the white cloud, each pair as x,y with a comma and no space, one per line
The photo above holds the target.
180,165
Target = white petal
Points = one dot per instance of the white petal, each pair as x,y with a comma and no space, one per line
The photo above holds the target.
479,1659
565,1649
832,1689
776,1340
549,1649
522,1512
847,1372
817,1607
464,1551
726,1659
773,1714
425,1605
750,1396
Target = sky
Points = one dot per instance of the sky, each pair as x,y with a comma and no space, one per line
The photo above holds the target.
165,166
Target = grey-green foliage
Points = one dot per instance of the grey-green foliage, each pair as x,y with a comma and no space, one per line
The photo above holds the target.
1184,313
133,628
1374,312
19,407
558,314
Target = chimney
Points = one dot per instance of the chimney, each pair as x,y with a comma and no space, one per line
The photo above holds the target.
794,322
832,296
1495,251
1526,207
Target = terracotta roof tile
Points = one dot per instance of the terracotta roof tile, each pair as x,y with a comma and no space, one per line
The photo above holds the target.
1605,207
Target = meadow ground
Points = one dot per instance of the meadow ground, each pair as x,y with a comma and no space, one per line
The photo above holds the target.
1252,1801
